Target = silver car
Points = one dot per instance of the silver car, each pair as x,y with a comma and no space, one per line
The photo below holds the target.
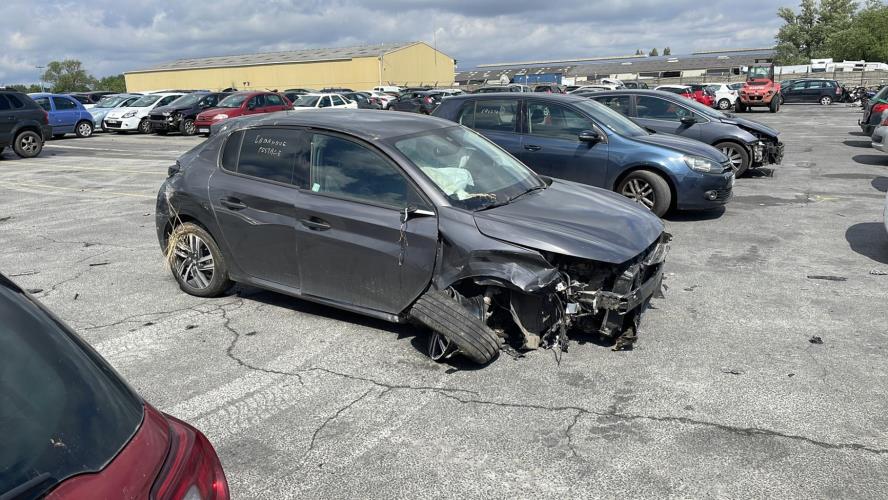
880,134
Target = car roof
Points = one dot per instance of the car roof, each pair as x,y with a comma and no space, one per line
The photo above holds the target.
518,95
674,86
367,124
657,93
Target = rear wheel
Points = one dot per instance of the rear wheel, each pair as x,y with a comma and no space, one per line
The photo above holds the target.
737,154
741,106
724,104
647,189
454,328
774,105
826,100
84,129
196,261
27,144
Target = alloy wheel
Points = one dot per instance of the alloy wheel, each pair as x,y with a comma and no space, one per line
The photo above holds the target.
724,104
28,143
193,261
190,129
640,191
144,126
440,347
826,100
734,156
84,130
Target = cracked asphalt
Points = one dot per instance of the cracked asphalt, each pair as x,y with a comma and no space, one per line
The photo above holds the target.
723,396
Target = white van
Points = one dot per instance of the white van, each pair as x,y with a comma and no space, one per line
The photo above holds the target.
387,88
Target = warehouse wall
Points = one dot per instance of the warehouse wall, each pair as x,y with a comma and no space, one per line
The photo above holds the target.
412,65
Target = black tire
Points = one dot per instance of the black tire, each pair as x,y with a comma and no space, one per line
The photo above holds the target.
27,144
440,312
84,129
781,99
737,154
187,127
826,100
774,105
724,104
635,187
218,282
145,126
741,107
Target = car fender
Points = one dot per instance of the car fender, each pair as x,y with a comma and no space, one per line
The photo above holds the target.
672,177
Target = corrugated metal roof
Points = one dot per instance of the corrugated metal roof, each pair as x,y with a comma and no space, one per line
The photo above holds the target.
285,57
584,67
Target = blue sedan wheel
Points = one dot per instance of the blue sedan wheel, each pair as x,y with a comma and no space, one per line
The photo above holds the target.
84,129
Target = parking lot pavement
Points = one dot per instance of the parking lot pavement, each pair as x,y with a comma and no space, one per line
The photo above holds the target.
723,396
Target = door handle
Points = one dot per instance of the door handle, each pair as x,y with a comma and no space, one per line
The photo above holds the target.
315,224
531,147
233,203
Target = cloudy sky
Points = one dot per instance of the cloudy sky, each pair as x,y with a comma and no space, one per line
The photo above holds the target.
113,36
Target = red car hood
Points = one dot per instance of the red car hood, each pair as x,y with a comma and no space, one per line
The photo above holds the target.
210,113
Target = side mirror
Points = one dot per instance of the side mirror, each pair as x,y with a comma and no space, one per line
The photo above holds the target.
590,136
688,120
412,212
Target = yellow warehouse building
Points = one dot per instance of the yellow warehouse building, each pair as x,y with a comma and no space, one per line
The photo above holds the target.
357,68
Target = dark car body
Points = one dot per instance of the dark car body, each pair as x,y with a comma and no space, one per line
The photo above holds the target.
873,111
334,90
248,103
417,101
811,91
548,88
362,99
635,85
342,212
23,124
180,115
79,430
492,89
668,113
86,98
558,151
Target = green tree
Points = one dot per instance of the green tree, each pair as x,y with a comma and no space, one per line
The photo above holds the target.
638,52
667,51
866,38
115,83
804,35
653,52
27,89
68,76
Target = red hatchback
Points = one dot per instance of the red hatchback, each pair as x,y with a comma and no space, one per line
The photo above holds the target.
73,428
241,104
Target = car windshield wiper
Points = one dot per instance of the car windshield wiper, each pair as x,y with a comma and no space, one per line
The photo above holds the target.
510,199
34,486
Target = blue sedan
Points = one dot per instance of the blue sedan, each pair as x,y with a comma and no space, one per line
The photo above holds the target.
66,115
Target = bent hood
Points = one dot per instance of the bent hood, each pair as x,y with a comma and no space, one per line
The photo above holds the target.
576,220
684,146
751,125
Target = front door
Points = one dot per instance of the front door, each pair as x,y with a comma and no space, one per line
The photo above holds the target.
795,92
255,105
254,197
551,145
664,116
354,248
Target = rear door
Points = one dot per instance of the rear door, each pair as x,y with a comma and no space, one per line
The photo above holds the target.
254,196
65,115
354,248
551,145
664,116
7,120
495,118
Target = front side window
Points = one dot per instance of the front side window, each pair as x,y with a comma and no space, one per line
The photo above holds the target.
618,103
496,114
62,104
654,108
325,102
345,168
257,101
273,100
43,102
799,86
547,119
471,171
272,154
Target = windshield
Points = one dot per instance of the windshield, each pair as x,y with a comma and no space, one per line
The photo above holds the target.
610,119
471,171
232,101
63,410
187,100
144,101
759,72
306,101
111,102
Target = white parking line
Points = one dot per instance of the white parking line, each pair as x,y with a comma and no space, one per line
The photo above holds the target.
15,185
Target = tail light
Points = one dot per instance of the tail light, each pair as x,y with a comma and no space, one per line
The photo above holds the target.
878,108
192,470
838,90
45,117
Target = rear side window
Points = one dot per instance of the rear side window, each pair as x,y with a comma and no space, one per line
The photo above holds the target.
274,100
43,102
15,102
62,104
654,108
63,410
344,168
4,104
496,114
273,154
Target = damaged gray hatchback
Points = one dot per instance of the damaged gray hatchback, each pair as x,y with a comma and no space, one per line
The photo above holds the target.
406,217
